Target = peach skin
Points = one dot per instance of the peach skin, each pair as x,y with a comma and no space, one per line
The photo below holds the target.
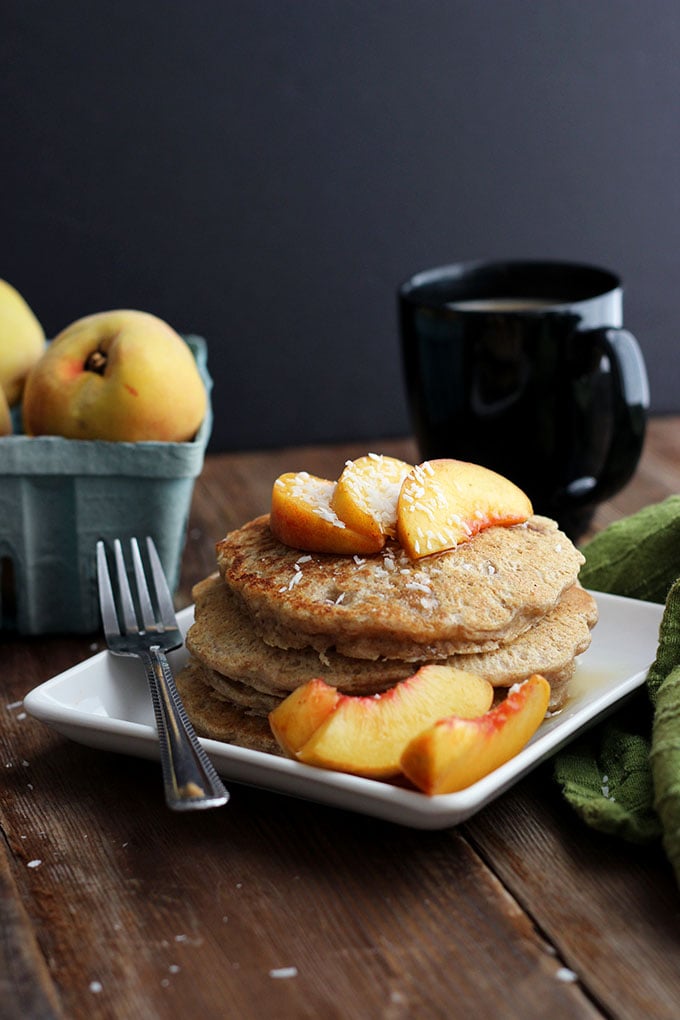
121,376
300,714
454,753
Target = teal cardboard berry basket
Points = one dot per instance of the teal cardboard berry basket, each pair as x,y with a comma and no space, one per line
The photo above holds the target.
59,496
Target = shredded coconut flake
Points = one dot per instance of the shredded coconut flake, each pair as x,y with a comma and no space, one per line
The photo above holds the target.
565,974
283,972
315,493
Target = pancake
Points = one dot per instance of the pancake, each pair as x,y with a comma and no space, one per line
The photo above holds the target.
471,599
215,717
254,702
550,647
223,639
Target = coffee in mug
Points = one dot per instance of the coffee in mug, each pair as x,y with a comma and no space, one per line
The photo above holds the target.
524,367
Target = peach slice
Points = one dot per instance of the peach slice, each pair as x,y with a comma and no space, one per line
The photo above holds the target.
445,502
302,517
298,716
367,492
456,752
367,735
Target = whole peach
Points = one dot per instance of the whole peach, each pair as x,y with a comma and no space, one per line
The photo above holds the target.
120,375
22,341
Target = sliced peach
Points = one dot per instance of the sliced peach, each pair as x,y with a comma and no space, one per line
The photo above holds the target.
445,502
367,492
456,752
367,735
297,717
302,517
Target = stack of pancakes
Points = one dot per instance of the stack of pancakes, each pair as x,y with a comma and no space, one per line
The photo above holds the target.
505,604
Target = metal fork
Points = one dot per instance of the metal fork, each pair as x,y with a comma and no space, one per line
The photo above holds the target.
189,777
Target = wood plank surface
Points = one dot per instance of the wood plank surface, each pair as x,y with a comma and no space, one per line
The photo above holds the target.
113,906
574,883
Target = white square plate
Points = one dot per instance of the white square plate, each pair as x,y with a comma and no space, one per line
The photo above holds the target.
104,703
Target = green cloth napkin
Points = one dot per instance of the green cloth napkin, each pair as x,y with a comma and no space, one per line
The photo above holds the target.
623,777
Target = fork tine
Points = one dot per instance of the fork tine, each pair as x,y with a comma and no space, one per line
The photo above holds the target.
126,604
165,606
107,602
148,615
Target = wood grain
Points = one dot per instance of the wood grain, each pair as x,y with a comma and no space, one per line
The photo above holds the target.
568,878
275,906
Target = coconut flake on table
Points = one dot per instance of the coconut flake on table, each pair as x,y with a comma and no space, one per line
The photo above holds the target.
565,974
283,972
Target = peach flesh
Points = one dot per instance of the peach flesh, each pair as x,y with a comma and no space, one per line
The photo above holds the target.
302,517
445,502
455,753
367,735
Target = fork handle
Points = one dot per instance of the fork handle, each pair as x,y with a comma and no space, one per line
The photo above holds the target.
189,777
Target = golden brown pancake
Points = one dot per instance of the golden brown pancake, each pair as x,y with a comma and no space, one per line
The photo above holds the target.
470,599
223,638
215,717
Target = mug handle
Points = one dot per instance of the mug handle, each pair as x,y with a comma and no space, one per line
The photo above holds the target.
629,396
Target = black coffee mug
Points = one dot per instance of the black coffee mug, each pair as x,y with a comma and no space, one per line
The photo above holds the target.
523,366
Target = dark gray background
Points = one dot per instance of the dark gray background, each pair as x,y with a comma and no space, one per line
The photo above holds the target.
265,172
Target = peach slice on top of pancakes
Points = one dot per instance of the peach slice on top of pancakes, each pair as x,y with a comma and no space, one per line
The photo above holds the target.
429,508
445,502
302,517
367,492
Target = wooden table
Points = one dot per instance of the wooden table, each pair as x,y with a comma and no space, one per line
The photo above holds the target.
274,907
